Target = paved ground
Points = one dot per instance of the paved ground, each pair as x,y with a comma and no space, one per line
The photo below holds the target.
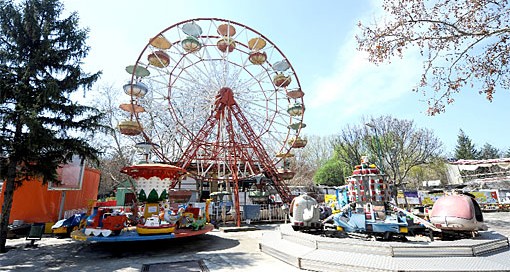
498,222
219,251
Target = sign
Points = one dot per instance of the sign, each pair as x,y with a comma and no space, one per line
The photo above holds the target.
428,199
486,197
412,198
70,175
428,183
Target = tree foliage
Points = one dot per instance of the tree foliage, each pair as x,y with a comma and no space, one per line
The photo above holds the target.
434,170
489,152
40,126
465,149
464,44
332,172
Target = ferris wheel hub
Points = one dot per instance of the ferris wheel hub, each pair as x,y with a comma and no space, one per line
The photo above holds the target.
224,98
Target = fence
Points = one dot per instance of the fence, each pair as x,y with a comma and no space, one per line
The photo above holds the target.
260,213
271,213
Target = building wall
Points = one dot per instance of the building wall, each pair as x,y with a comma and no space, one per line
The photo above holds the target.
34,203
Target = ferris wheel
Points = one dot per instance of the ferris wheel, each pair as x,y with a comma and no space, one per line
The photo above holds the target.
218,98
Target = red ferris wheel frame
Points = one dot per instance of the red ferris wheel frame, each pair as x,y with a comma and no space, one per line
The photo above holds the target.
240,143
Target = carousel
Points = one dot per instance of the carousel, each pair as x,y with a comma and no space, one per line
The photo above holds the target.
156,216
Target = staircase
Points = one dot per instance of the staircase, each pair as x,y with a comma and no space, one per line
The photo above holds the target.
488,252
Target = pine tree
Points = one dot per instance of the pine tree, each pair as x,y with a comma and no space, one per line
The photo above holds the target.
40,126
465,149
489,152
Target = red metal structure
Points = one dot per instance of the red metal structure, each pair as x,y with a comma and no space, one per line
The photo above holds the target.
220,100
227,108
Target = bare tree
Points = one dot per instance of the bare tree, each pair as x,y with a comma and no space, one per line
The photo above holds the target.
396,146
307,160
351,144
401,146
465,44
120,150
117,150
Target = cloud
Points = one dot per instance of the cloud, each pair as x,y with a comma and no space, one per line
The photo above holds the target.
357,87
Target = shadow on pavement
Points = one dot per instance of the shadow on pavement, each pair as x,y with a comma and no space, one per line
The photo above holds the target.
172,246
78,256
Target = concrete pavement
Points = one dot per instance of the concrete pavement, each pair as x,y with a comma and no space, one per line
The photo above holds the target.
219,251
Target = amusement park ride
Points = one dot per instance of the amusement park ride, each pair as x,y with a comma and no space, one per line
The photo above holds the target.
363,207
214,100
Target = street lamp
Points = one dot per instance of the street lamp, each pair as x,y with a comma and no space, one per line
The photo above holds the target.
378,146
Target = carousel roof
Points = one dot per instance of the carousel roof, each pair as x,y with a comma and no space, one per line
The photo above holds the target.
149,170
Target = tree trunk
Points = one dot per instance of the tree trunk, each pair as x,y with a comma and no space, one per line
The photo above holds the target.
7,205
405,199
395,194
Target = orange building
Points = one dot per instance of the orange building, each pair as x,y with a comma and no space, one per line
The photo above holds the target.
34,203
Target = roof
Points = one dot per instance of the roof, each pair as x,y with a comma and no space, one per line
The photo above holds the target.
149,170
472,165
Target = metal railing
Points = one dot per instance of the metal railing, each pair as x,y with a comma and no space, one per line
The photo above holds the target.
271,213
266,213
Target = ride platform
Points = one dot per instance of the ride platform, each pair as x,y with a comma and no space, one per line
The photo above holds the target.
130,235
488,252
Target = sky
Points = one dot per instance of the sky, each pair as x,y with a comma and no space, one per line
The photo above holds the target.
318,38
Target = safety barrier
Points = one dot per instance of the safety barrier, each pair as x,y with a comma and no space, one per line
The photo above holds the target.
271,213
254,214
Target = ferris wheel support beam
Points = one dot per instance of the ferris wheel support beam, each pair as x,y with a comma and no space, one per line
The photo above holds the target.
225,107
261,153
234,168
225,100
192,149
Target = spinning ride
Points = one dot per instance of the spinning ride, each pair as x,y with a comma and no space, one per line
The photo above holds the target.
218,99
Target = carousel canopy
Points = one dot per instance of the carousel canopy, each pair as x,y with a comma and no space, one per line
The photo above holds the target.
149,170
